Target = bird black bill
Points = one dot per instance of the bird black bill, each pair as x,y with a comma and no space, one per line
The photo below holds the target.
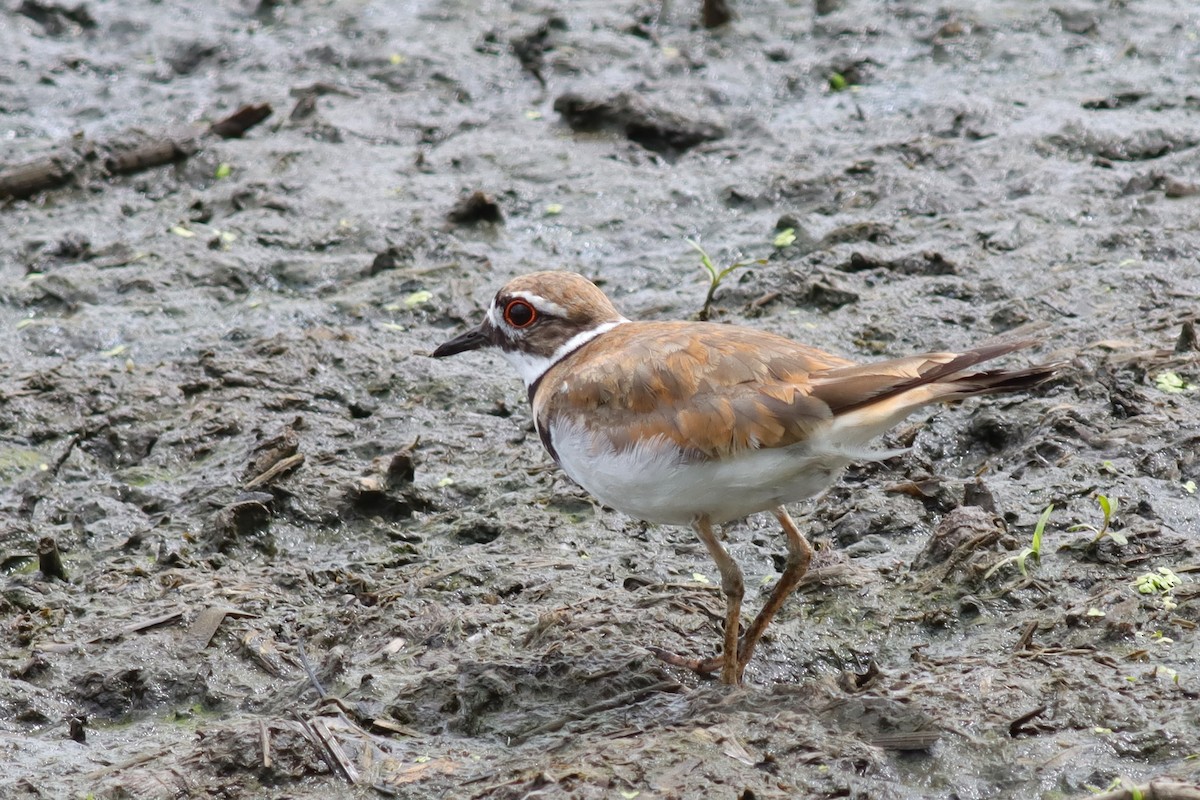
471,340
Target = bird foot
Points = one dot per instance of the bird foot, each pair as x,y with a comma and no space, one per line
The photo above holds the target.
701,666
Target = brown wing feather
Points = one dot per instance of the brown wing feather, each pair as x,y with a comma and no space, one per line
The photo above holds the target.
716,389
851,388
711,389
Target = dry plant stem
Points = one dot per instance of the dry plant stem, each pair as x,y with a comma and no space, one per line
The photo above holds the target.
50,560
25,180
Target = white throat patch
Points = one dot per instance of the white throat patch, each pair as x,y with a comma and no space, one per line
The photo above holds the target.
531,367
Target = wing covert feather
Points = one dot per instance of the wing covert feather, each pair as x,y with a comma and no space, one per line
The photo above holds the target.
711,389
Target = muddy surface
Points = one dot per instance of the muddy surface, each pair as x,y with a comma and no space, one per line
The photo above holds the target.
304,560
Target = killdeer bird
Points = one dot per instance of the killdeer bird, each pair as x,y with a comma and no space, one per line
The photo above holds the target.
693,423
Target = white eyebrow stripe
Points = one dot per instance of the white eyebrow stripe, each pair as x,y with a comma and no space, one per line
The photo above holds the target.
542,304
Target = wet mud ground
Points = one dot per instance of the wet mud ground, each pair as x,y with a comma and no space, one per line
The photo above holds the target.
215,399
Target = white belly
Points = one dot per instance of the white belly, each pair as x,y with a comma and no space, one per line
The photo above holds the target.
654,482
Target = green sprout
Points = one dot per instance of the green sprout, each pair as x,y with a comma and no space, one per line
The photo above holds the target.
1108,505
1034,549
1172,383
715,276
838,82
1160,582
784,238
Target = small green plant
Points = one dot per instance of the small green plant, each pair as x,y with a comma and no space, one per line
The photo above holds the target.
1108,505
1134,792
1159,582
838,82
1172,383
715,276
784,238
1034,549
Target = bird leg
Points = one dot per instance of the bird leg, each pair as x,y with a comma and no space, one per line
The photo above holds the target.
799,554
798,557
733,587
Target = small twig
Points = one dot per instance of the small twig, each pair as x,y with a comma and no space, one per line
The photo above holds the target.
322,748
50,560
240,121
623,699
274,472
308,667
318,727
264,741
1026,638
1016,727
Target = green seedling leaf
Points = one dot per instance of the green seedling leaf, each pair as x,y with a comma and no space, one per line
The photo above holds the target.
705,261
417,298
784,237
1108,506
715,276
553,209
223,171
1039,529
179,230
1161,581
1172,383
1020,559
838,82
1034,549
1190,487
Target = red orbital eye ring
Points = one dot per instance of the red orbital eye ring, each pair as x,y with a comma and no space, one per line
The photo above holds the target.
519,314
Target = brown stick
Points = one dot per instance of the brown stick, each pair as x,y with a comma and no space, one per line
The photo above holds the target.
146,156
25,180
240,121
32,177
50,560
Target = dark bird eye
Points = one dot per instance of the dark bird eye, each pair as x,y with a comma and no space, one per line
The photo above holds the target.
519,314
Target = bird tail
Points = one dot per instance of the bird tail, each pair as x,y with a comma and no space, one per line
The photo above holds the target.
868,399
